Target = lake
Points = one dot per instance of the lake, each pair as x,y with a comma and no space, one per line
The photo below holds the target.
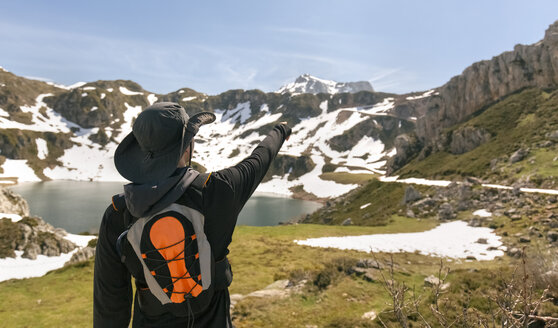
78,206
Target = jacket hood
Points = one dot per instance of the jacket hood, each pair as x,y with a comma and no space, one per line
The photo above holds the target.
149,198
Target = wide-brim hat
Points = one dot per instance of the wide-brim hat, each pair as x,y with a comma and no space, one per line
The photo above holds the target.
160,135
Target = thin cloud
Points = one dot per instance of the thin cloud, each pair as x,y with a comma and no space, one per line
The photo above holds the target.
313,33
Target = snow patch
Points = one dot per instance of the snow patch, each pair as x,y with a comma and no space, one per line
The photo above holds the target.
88,88
11,216
418,181
127,92
84,94
51,122
188,98
453,239
42,149
3,113
94,108
19,168
151,98
364,206
424,95
482,213
103,95
240,113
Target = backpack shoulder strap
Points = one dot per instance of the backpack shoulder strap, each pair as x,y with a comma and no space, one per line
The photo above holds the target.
201,180
118,202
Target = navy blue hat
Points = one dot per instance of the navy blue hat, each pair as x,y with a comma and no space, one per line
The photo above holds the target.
159,137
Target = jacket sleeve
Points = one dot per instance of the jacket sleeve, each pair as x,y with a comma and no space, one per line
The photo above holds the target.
245,177
112,289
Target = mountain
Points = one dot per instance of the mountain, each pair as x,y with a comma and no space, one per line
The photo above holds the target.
309,84
53,132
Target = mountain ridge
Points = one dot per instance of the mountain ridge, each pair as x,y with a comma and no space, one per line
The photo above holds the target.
71,133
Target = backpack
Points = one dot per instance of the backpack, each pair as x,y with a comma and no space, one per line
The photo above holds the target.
170,251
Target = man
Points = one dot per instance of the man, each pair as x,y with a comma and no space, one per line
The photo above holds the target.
155,157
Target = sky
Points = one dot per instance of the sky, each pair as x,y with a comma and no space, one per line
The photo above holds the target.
214,46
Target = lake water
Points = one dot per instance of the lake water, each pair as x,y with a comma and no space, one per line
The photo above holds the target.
78,206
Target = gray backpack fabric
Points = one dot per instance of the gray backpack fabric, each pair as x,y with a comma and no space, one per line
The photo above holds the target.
168,265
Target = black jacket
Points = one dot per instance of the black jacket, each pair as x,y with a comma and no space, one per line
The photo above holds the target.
223,197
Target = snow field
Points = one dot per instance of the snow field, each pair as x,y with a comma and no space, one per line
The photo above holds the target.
453,239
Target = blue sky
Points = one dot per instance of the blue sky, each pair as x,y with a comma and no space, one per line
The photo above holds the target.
214,46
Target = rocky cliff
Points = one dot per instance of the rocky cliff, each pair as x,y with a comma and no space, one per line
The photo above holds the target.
480,85
487,81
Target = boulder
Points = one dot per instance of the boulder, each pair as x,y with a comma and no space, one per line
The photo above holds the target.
515,252
424,203
369,263
367,274
411,195
553,135
446,212
519,155
31,251
369,316
82,255
552,236
347,222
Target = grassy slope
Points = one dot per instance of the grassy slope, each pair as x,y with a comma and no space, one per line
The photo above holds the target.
520,120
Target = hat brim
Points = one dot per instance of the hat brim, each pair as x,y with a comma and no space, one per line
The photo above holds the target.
139,167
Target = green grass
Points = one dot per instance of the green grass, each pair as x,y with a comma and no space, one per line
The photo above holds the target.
347,178
62,298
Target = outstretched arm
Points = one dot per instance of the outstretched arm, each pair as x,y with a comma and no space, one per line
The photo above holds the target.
245,177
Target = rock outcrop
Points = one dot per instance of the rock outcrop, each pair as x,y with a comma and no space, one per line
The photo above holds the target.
34,237
10,202
466,139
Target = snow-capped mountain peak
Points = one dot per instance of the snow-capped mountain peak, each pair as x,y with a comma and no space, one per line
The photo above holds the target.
307,83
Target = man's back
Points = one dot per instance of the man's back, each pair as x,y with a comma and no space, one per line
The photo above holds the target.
220,200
